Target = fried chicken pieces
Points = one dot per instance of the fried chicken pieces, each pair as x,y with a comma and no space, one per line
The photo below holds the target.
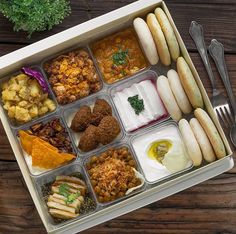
98,126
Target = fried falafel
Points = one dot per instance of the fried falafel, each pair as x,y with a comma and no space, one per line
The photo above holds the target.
82,119
89,140
101,109
107,130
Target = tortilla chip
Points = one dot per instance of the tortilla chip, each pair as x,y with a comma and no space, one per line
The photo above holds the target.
45,156
26,141
38,139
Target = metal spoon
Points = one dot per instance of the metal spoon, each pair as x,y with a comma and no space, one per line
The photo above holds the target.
219,102
216,50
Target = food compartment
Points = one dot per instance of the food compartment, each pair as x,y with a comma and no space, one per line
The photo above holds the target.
65,195
72,75
138,103
174,184
26,96
93,124
161,152
46,145
119,56
114,174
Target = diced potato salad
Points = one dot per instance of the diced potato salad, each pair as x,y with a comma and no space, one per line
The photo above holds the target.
24,99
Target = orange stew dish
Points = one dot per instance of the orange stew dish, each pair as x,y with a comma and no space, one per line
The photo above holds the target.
119,56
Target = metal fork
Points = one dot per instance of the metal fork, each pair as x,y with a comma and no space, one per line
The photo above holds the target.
219,101
216,50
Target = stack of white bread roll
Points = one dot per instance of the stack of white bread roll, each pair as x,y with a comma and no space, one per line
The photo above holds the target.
179,90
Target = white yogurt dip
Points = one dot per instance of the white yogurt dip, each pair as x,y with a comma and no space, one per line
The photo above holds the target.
175,160
153,106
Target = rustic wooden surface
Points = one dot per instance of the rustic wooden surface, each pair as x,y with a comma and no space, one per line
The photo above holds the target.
209,207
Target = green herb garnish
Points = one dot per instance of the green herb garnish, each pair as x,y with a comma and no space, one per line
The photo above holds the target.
70,197
137,104
120,57
64,190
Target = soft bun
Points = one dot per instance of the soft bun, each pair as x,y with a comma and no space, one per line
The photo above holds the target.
203,141
168,98
159,39
146,40
169,33
179,92
189,83
191,143
211,132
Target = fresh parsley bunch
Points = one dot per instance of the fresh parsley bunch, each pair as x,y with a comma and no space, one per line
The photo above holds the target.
35,15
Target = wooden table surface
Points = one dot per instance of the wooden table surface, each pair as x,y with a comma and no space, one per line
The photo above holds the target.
209,207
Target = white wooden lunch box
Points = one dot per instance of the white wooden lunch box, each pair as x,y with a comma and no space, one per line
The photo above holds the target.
79,36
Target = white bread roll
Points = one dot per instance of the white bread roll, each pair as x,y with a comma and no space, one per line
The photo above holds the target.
168,98
146,40
203,141
169,33
159,39
190,141
179,92
211,132
189,83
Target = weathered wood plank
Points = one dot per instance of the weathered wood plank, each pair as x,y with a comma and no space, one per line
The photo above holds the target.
198,209
218,20
6,152
8,48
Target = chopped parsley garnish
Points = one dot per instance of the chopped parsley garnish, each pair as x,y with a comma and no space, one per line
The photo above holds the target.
137,104
120,57
70,197
64,190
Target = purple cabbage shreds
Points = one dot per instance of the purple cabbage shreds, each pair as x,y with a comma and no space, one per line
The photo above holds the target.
38,76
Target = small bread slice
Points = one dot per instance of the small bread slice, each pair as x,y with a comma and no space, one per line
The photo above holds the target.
159,39
75,204
62,214
189,83
146,40
55,189
59,206
58,196
169,33
168,98
71,179
211,132
178,91
203,141
72,185
190,141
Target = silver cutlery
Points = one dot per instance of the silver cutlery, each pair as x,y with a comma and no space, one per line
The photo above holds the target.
219,101
216,50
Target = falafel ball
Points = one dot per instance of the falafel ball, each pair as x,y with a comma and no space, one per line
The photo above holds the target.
108,130
101,109
82,119
88,140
